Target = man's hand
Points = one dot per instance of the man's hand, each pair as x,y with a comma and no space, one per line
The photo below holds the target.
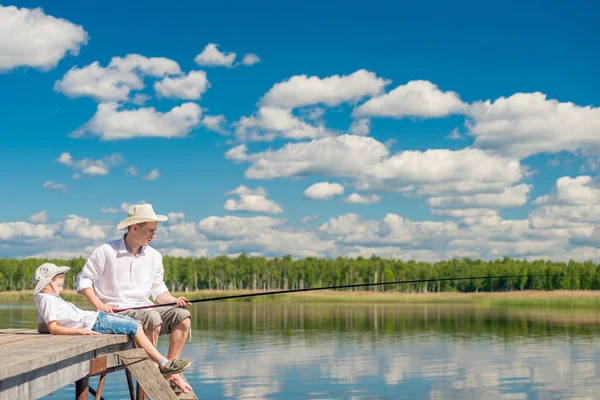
104,308
88,332
183,302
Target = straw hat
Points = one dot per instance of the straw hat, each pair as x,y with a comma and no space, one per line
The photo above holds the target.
140,213
44,274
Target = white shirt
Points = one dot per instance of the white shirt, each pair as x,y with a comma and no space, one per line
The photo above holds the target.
53,308
121,279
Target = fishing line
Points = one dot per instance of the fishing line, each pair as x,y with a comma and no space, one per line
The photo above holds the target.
239,296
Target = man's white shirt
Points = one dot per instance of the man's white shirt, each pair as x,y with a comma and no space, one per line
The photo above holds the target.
122,279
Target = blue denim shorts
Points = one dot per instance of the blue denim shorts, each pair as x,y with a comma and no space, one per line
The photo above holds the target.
117,324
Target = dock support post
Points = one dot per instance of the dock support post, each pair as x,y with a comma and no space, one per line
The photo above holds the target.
82,388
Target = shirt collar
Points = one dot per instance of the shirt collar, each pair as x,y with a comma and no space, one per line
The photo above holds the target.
122,249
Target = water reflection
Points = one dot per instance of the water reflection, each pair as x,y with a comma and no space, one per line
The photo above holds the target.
349,351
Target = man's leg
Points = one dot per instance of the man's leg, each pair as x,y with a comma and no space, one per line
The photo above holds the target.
151,321
177,324
177,338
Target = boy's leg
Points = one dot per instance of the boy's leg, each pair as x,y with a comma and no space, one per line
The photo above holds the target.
151,321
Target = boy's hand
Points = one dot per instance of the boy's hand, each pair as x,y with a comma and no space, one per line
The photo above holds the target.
88,332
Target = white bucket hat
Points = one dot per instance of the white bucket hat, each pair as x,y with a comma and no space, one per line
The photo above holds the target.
140,213
44,274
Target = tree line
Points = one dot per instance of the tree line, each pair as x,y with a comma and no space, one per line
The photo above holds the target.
260,273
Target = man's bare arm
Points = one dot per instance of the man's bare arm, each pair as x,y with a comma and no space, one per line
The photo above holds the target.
90,295
166,297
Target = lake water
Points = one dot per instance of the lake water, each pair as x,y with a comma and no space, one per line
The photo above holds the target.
243,350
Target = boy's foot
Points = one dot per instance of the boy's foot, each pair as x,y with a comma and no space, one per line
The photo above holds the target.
174,367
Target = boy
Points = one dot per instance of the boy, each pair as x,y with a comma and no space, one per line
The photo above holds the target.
63,318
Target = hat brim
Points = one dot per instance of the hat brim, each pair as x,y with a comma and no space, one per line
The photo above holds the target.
138,220
42,283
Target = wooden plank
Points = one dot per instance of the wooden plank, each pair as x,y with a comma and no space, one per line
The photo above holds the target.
14,330
180,395
5,339
42,352
36,384
147,375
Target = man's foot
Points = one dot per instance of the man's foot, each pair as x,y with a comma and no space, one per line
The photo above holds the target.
180,383
174,367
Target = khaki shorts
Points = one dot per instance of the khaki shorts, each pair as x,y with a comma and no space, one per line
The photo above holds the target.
168,317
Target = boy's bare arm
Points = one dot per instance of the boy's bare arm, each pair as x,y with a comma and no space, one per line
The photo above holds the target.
89,294
55,329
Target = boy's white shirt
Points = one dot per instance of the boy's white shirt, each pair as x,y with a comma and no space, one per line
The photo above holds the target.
53,308
121,279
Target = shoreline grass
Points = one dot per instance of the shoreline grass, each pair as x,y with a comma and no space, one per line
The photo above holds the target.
516,299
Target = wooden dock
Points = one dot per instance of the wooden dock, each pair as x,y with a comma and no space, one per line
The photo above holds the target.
34,365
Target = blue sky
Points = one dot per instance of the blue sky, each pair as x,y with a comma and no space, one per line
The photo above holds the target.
515,83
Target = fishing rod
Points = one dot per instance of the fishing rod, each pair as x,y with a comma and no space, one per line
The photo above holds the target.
239,296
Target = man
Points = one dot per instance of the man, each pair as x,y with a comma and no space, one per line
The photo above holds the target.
126,272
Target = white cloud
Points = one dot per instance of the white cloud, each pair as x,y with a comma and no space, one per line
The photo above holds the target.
39,218
359,199
31,38
416,98
75,225
323,191
109,123
117,80
361,127
462,187
253,203
140,99
109,210
440,166
252,200
54,186
238,153
342,156
528,123
455,134
250,59
572,210
271,242
350,229
188,87
514,196
215,123
81,227
132,170
309,218
178,252
271,122
370,164
176,218
241,190
11,230
89,166
302,90
230,227
212,57
153,175
581,190
313,113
